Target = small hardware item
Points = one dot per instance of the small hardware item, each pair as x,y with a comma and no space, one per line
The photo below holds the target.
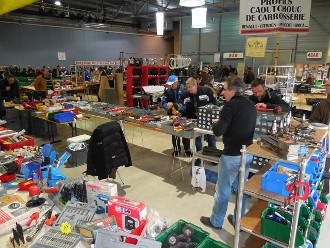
182,240
14,205
276,217
65,228
34,192
39,225
33,217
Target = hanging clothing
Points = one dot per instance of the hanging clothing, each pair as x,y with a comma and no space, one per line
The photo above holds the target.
107,151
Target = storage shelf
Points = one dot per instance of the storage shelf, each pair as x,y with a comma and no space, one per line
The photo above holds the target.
251,222
255,242
253,187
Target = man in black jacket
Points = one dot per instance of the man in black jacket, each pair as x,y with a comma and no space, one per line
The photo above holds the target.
236,125
195,97
262,98
9,88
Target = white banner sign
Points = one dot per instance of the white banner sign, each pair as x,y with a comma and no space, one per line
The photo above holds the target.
314,55
233,55
97,62
61,55
268,16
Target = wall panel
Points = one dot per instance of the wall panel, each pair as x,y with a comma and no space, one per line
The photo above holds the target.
37,45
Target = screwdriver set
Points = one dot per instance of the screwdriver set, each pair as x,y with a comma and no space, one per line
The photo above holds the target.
75,213
55,239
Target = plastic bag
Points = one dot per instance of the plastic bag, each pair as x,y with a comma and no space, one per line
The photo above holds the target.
155,225
198,178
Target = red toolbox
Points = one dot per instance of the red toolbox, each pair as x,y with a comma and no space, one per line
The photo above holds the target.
130,215
6,145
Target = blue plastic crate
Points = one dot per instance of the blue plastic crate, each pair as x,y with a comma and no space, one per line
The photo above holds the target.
274,181
314,196
64,117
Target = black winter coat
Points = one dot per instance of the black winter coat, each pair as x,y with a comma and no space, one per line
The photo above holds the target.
108,150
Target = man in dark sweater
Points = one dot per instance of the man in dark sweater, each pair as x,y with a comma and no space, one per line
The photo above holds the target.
262,98
236,125
9,88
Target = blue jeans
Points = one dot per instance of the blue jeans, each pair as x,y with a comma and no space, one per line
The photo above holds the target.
210,140
227,173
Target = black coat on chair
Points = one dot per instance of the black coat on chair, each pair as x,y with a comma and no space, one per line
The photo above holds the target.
108,150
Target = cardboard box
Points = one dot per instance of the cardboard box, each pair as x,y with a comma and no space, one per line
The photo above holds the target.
131,215
99,193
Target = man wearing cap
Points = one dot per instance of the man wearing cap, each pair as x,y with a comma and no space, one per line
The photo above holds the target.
170,99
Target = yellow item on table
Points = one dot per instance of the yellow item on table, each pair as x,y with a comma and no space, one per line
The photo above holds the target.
65,228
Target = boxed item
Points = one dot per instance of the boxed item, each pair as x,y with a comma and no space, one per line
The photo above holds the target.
77,139
89,229
7,145
206,114
99,193
131,215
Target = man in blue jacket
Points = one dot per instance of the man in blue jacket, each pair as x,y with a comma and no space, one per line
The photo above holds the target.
236,125
194,97
170,100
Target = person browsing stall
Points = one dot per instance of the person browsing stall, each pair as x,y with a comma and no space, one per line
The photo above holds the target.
43,83
321,114
236,124
263,98
170,101
9,88
194,97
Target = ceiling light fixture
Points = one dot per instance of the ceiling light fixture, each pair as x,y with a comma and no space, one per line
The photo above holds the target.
191,3
198,17
57,3
160,23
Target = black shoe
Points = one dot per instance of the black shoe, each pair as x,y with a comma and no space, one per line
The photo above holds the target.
198,162
207,222
188,154
230,218
214,164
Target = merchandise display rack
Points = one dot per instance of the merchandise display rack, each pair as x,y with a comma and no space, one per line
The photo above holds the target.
139,76
282,76
251,222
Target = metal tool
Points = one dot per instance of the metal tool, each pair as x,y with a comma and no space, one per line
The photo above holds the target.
55,239
280,147
39,225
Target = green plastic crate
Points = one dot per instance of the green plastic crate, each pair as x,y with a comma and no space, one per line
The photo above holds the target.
211,243
312,236
177,228
279,231
323,199
269,245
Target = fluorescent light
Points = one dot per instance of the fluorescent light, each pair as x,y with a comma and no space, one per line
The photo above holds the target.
191,3
198,17
58,3
160,23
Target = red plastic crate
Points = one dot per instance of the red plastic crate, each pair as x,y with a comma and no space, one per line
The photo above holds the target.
11,146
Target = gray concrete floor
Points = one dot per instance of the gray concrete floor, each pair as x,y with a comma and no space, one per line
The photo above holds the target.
149,181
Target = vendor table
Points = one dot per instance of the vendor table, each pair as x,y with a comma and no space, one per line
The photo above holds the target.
50,128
